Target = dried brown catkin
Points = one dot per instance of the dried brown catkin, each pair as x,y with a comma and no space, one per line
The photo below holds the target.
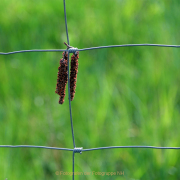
73,75
62,78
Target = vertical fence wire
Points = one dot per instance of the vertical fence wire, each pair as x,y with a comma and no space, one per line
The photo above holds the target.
73,165
65,17
70,110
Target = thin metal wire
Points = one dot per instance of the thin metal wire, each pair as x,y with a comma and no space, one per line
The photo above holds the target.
70,104
73,165
31,146
72,130
91,48
113,147
90,149
33,50
129,45
65,17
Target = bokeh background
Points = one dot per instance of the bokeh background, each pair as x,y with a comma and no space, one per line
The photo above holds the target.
124,96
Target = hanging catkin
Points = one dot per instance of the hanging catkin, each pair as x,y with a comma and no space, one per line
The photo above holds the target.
62,78
73,75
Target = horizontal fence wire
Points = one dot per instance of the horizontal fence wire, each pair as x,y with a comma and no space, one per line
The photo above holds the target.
31,146
90,149
70,49
33,50
91,48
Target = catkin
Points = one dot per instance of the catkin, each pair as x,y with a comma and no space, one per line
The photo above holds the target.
62,78
73,75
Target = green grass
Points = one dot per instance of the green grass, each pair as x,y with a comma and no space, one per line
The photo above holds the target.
124,96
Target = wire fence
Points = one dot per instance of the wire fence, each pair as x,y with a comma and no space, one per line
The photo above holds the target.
72,50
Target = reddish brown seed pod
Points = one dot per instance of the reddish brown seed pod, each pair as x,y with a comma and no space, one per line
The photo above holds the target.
73,74
62,78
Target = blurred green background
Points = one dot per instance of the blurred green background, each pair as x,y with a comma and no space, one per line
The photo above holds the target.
124,96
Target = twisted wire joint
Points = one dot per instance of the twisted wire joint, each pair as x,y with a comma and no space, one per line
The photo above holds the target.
78,150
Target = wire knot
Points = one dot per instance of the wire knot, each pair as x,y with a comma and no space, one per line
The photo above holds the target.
72,50
78,150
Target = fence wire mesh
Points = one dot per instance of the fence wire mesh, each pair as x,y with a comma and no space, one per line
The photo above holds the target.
71,50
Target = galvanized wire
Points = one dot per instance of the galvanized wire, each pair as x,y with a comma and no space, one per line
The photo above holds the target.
80,150
70,110
130,45
31,146
115,147
32,50
65,17
73,158
91,48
